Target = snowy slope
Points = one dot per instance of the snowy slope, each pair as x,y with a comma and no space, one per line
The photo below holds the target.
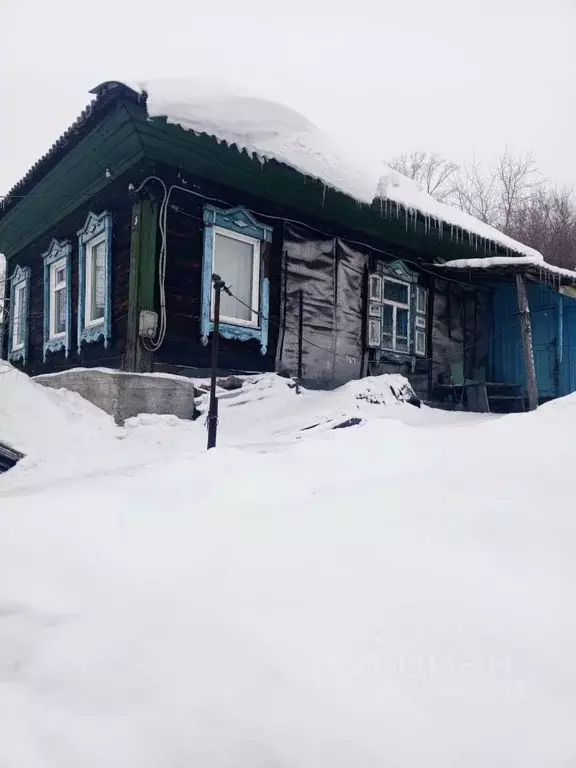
271,130
394,594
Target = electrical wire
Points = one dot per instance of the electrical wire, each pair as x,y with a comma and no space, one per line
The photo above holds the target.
152,345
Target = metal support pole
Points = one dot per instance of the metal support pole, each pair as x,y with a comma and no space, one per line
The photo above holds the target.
213,408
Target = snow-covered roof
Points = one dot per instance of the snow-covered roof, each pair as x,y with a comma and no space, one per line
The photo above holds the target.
495,262
273,131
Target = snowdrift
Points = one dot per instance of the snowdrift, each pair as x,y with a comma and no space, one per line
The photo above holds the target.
395,594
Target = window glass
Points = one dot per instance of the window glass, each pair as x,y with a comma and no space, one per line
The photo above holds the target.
234,262
388,325
18,330
397,292
59,299
97,281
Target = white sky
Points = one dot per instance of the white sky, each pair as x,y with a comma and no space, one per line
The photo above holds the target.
460,77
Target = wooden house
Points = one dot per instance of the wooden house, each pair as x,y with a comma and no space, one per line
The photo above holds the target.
112,237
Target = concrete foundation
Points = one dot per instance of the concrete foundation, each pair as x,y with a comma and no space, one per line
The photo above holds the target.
123,395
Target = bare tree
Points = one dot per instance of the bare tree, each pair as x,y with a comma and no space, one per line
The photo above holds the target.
434,173
476,193
515,180
510,195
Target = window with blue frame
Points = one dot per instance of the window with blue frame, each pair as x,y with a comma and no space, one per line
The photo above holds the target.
397,311
95,279
234,249
19,315
57,297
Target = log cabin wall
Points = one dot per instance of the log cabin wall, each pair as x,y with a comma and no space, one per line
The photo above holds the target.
116,200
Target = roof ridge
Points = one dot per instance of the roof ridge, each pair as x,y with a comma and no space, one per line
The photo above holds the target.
104,94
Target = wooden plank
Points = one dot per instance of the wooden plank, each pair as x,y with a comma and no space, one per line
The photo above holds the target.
132,339
147,274
143,259
526,328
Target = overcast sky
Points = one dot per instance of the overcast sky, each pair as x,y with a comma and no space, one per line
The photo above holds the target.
460,77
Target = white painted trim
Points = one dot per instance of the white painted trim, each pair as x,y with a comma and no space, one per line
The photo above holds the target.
396,305
88,266
255,303
18,319
54,287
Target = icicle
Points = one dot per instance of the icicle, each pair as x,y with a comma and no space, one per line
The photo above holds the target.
415,214
381,208
451,232
323,195
441,230
397,211
406,210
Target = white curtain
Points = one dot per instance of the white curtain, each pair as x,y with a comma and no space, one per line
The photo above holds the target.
234,262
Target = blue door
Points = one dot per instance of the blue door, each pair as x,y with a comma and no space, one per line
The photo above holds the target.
544,342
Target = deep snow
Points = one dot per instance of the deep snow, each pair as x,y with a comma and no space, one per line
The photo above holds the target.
272,130
393,594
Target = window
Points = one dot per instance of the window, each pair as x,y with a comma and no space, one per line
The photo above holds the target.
396,315
57,308
19,321
58,290
95,280
237,261
235,247
397,311
19,308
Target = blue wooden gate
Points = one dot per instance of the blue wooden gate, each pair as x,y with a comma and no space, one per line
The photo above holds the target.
544,340
507,354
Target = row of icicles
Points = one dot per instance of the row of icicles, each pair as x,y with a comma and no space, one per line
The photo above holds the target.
391,209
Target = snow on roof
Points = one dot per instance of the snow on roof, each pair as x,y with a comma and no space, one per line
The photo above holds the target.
273,131
507,261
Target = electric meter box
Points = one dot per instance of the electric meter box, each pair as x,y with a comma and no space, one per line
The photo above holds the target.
148,323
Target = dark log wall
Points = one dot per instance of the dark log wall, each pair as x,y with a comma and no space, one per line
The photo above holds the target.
116,200
182,349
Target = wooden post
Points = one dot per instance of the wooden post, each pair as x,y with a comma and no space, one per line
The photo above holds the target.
527,342
213,407
143,255
300,333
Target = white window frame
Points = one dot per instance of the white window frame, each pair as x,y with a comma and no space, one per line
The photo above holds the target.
88,266
396,305
255,304
54,287
18,318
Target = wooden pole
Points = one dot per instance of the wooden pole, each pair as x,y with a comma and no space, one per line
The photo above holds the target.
527,342
213,407
300,332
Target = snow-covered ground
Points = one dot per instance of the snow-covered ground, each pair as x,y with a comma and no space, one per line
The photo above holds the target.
397,593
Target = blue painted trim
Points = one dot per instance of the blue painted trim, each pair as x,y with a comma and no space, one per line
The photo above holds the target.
237,220
559,344
56,252
94,227
19,276
241,221
397,269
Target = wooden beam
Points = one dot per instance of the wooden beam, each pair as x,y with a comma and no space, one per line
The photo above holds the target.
142,281
526,326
